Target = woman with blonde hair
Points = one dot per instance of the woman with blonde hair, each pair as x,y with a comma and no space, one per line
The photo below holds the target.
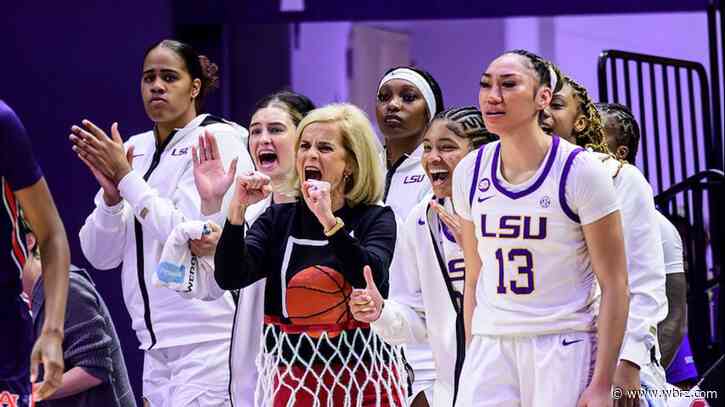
312,253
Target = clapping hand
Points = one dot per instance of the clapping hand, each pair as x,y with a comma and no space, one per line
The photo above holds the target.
104,156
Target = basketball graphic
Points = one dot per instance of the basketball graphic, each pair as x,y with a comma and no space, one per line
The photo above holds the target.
318,295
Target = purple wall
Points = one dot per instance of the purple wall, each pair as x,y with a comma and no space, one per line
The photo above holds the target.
456,52
62,64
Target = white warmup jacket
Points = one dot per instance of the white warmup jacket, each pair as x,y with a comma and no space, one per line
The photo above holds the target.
158,194
406,183
645,263
248,321
405,186
430,312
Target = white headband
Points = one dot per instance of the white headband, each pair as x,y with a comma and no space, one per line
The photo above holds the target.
418,81
552,74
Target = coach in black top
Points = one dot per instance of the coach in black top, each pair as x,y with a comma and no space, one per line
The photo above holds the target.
337,225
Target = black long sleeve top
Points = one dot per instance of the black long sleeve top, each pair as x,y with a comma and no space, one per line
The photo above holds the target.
287,238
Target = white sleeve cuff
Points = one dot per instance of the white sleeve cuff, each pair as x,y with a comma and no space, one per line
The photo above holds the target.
133,188
109,217
217,217
388,323
635,352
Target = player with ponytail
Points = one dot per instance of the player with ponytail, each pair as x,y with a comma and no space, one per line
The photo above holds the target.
540,230
574,116
430,310
147,189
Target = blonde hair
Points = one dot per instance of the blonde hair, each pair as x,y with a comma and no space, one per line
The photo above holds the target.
365,184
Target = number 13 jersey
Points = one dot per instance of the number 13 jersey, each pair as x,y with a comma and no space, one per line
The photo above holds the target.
536,276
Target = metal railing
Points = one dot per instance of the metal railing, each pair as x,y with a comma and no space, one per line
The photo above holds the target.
671,100
681,156
704,276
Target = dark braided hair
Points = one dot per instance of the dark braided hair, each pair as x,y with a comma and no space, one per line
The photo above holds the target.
592,136
296,105
467,123
540,66
199,67
434,86
620,118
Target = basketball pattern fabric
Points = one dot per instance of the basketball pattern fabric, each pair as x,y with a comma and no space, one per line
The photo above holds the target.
318,295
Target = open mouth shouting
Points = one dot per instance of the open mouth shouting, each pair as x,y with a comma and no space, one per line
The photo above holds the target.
312,173
267,159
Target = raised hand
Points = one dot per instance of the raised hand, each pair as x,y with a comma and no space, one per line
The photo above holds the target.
317,196
105,154
451,220
366,304
212,182
250,188
47,351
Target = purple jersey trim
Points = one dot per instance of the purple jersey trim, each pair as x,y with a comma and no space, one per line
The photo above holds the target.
562,186
535,185
475,175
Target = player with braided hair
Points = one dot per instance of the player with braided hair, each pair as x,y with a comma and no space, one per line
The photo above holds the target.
577,118
540,230
620,129
430,311
573,116
622,132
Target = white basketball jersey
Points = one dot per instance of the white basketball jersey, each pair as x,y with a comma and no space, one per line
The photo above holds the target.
536,276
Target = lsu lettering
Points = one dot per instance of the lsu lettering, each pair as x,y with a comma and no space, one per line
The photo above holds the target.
412,179
511,227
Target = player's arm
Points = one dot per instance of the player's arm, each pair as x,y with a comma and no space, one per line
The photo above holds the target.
403,319
88,345
473,268
590,193
645,274
40,211
605,244
672,329
75,381
239,260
